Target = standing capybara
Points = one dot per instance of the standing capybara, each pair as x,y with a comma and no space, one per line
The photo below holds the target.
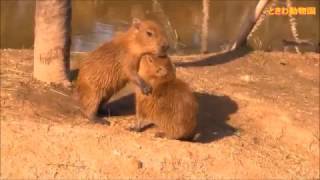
108,68
171,106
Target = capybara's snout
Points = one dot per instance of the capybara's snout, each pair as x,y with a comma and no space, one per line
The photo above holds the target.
163,49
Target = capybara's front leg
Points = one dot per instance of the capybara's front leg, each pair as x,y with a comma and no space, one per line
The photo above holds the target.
131,71
144,87
141,122
140,125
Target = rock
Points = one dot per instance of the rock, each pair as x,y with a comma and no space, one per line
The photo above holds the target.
134,164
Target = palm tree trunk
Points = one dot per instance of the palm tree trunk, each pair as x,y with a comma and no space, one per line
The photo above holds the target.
52,40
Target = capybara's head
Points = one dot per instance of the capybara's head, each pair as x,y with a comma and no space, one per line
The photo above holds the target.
156,70
149,37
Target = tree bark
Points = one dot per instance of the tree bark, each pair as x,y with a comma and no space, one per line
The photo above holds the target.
248,26
293,27
52,41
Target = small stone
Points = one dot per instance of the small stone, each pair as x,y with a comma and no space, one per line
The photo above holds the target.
196,137
283,63
246,78
115,152
135,164
256,140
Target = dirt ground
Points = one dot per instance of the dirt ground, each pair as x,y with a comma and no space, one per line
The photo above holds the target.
259,118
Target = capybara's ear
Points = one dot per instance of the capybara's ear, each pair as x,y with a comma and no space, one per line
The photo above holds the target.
136,23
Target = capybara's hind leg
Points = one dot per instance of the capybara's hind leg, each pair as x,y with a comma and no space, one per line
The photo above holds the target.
90,107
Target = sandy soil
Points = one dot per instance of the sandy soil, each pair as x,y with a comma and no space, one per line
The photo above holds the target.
259,118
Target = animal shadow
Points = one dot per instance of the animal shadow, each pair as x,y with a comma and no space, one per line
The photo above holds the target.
214,112
73,74
122,106
217,59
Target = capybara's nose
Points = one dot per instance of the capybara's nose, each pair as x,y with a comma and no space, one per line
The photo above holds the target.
165,47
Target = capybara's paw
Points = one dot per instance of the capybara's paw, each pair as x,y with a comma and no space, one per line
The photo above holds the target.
134,128
140,127
159,135
146,89
99,120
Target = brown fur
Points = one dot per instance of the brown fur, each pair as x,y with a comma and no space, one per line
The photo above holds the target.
108,68
171,106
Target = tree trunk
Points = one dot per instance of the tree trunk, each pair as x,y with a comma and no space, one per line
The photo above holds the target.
293,27
52,41
248,26
205,20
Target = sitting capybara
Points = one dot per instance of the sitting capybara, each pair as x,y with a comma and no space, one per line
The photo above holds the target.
109,68
171,106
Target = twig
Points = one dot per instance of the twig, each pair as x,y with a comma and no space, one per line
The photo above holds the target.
7,89
205,21
15,70
58,92
66,165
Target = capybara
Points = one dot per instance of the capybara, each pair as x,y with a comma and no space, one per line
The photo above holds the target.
171,106
112,65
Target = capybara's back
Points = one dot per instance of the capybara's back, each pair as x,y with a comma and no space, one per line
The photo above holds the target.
172,105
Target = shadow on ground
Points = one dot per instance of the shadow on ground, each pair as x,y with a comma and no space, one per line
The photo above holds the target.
50,103
56,104
123,106
214,112
217,59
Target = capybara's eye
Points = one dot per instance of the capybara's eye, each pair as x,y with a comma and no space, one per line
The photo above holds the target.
149,33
